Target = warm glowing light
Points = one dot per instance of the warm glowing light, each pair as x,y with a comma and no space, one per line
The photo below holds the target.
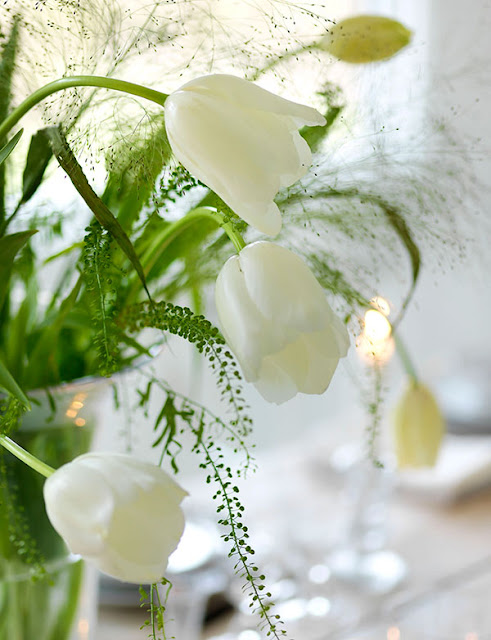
76,404
393,633
375,352
71,413
80,397
375,344
377,327
381,305
83,628
80,422
471,636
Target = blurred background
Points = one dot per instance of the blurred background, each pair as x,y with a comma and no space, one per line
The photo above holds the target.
348,549
408,534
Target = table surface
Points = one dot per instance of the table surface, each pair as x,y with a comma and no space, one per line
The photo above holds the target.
296,487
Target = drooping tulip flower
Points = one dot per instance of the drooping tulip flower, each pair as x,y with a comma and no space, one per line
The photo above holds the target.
363,39
241,141
276,319
418,427
117,512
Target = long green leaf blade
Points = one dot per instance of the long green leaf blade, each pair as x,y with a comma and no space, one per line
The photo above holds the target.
10,146
103,215
8,383
38,157
7,67
9,247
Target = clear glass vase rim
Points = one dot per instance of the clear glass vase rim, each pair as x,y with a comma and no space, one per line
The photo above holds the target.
95,380
50,567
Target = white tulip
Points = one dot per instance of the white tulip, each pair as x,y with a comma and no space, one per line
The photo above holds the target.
276,319
241,141
117,512
419,427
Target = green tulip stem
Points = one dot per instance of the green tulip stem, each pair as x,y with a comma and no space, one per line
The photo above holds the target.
406,360
172,231
212,214
26,457
78,81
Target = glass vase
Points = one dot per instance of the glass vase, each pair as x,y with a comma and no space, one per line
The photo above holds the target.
45,592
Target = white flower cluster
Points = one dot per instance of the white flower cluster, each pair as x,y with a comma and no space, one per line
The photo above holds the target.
243,142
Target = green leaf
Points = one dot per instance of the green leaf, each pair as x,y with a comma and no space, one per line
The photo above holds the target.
64,252
8,383
315,135
103,215
10,146
42,361
9,247
7,66
38,157
17,331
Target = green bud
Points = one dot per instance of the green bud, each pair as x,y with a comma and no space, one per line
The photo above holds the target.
363,39
418,428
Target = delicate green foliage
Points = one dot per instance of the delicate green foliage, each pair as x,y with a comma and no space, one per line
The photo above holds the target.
99,273
230,512
11,412
334,281
174,184
351,216
395,217
180,415
156,606
134,165
375,406
197,330
314,136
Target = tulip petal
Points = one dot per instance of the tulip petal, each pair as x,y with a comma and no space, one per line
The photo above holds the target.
274,383
290,294
276,320
79,507
242,323
241,141
239,91
119,513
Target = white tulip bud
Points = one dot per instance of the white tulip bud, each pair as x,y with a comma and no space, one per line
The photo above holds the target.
418,428
241,141
276,319
117,512
363,39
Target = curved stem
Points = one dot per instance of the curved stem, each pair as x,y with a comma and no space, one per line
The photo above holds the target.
173,230
78,81
281,58
406,360
26,457
212,214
